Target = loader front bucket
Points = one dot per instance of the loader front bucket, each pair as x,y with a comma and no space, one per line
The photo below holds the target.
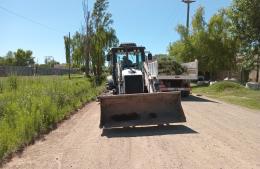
141,109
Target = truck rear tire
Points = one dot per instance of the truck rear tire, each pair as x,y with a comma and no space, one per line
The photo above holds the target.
185,93
145,89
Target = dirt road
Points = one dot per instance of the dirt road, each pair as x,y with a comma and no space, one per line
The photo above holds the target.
217,135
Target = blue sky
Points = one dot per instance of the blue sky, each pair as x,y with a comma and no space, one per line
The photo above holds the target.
150,23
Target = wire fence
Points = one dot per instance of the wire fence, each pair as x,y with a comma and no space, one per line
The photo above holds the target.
31,71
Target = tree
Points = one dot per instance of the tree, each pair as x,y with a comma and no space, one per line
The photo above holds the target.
246,23
90,47
67,49
77,45
9,59
223,46
211,43
87,38
18,58
2,61
178,51
103,36
67,43
192,45
50,62
23,58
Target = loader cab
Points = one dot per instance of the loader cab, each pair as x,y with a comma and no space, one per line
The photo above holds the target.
130,50
127,68
130,60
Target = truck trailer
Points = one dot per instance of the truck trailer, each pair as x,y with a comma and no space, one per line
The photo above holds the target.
162,82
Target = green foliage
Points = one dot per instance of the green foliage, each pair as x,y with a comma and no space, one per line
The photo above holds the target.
1,87
246,21
198,22
77,43
2,60
18,58
74,49
37,105
12,83
225,86
89,49
9,59
211,43
246,27
67,43
169,66
102,36
23,58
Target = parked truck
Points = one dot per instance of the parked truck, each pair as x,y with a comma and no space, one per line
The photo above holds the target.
170,81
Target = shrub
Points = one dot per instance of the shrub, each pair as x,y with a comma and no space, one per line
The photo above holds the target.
225,86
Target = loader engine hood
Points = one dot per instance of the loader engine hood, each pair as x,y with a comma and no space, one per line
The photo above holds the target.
133,81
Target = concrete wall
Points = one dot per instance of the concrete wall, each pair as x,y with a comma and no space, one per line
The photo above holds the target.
30,71
252,76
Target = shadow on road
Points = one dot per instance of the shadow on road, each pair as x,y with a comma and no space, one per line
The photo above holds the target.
196,99
147,131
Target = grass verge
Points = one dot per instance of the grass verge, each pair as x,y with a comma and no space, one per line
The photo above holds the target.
232,93
30,106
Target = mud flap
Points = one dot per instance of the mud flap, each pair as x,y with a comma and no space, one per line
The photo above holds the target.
141,109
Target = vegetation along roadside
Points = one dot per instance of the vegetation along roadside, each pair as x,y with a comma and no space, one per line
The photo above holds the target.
232,93
30,106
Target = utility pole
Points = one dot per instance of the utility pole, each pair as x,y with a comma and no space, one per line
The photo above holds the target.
188,2
53,62
257,67
69,56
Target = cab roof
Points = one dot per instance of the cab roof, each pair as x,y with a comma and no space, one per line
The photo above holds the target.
127,47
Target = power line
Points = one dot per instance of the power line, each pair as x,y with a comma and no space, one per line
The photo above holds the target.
29,19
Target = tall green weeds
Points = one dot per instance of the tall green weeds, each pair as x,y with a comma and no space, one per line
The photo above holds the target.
1,86
30,106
